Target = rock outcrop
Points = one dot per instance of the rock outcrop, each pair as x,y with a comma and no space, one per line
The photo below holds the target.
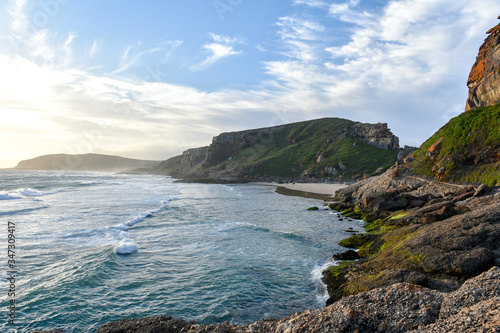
484,78
377,135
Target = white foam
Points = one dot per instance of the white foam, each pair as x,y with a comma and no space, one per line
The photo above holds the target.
92,182
135,220
119,227
8,196
144,216
126,247
29,192
317,275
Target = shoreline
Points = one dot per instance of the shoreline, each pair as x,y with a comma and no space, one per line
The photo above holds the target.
320,191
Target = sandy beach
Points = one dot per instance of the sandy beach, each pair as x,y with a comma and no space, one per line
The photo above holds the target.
320,189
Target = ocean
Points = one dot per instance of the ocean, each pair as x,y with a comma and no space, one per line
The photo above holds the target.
90,248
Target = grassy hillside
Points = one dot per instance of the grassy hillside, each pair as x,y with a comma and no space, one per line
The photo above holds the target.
296,148
469,151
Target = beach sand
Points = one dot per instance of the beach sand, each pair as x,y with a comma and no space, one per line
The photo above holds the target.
309,190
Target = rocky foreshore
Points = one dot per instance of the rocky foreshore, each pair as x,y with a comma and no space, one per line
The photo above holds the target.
402,307
419,231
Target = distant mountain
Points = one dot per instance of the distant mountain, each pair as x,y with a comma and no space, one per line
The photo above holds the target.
328,148
87,162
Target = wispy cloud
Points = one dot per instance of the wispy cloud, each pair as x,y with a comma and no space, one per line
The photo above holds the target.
298,36
222,47
312,3
94,49
134,54
16,9
397,60
405,64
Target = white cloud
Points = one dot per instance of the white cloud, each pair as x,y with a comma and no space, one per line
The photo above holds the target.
134,55
298,37
221,48
410,73
402,65
297,28
311,3
94,49
16,11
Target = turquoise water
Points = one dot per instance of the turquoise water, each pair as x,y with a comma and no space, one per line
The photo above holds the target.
93,248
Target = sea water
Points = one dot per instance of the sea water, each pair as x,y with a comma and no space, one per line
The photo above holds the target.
91,248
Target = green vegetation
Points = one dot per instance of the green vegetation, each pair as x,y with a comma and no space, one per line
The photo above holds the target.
469,151
336,270
294,149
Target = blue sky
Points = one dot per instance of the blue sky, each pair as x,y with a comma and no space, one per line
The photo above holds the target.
151,79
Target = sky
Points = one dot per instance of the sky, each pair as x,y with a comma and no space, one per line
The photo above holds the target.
153,78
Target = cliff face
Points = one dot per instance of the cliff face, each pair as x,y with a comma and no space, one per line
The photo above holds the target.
484,78
226,144
377,135
319,148
467,148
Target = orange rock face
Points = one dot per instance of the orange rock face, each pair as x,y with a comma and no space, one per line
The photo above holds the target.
484,78
435,148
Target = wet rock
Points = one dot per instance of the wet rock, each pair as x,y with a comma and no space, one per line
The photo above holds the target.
347,255
149,324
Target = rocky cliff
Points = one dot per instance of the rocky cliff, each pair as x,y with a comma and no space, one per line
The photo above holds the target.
324,148
377,135
467,148
484,78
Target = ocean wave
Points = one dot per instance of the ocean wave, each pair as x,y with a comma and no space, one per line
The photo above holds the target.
127,244
29,192
8,196
126,247
92,182
22,211
317,277
146,215
100,182
278,233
